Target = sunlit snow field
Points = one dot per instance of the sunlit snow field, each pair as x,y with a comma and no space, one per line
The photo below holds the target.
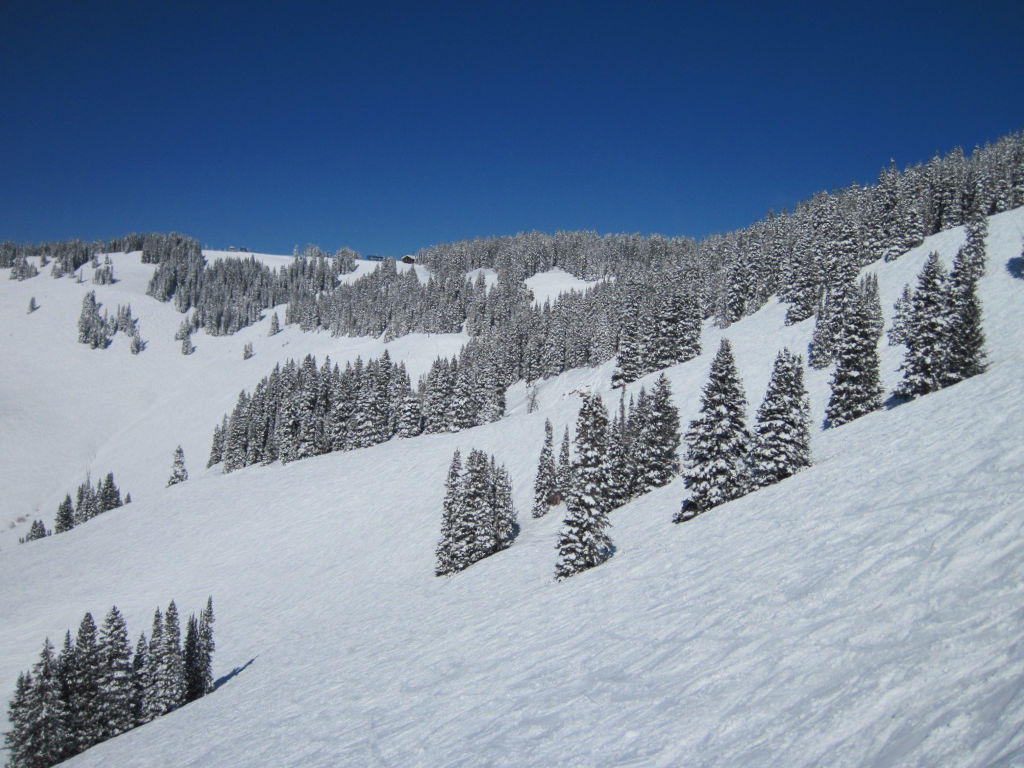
867,612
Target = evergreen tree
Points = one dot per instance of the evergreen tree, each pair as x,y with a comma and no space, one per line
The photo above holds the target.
505,525
856,381
170,681
194,683
142,681
20,712
545,487
655,462
156,701
782,432
563,471
86,503
247,351
108,495
187,347
717,440
36,531
178,472
32,306
206,646
446,557
84,703
476,538
275,325
966,346
584,541
44,741
92,329
924,365
902,309
137,343
116,700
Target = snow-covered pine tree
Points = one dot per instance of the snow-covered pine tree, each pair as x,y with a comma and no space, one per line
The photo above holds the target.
20,713
856,381
32,306
275,325
171,678
137,343
42,715
927,336
632,348
86,503
782,433
247,350
142,681
187,347
178,472
206,645
116,687
505,525
193,669
451,512
657,441
966,346
92,329
717,440
475,538
563,471
583,541
410,417
108,495
84,720
901,312
618,478
155,701
545,487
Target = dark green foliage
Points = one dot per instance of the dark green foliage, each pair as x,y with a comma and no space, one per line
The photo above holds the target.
653,456
927,334
782,432
583,541
116,699
65,516
717,440
856,381
36,531
478,518
545,487
93,329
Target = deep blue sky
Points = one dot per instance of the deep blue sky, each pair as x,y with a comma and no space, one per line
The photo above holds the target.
392,126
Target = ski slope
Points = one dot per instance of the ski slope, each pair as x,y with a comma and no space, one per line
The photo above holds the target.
866,612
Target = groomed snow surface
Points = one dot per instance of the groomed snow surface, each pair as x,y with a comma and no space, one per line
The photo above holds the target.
866,612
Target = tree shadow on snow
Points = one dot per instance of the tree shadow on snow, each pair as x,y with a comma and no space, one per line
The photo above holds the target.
895,402
1015,266
221,680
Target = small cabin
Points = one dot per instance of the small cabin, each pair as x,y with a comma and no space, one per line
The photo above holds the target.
408,260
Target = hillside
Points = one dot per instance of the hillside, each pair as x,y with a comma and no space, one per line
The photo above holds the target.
864,612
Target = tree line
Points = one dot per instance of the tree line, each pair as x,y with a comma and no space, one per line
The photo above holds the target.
95,688
89,502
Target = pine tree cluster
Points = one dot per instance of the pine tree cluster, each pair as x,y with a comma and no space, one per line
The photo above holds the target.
89,502
723,459
300,410
656,332
96,330
95,689
941,322
22,269
478,518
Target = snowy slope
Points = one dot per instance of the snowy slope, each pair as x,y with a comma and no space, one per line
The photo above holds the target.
864,612
66,409
548,286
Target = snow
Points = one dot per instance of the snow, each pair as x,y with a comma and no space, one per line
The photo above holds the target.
548,286
864,612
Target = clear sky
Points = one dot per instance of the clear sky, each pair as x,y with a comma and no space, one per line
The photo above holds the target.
388,127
